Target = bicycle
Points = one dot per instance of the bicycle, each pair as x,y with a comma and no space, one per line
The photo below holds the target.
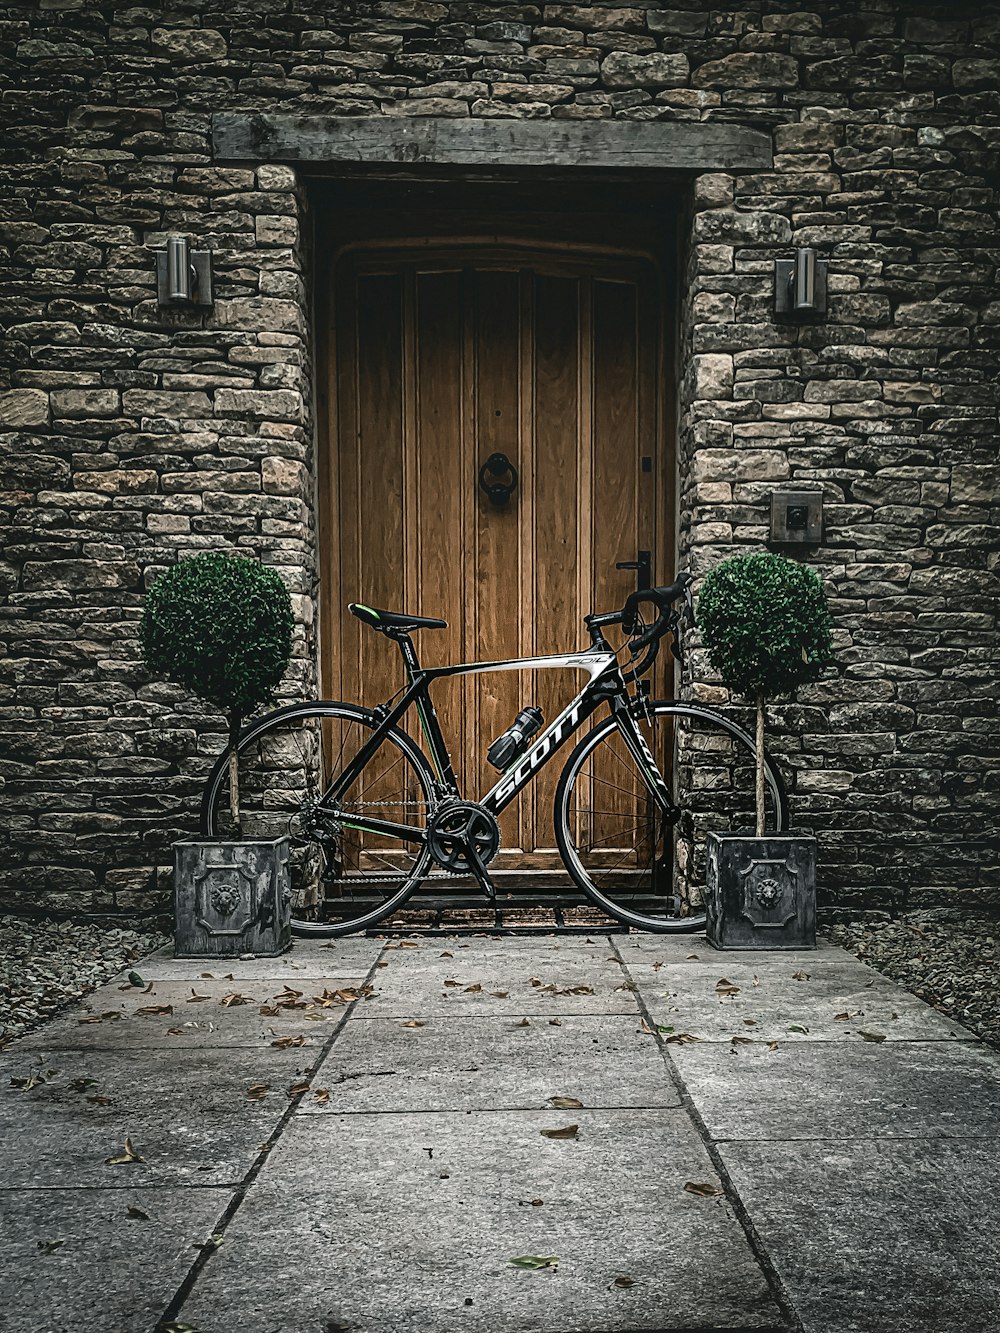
370,815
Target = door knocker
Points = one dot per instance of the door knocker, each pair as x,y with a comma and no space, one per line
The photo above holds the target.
498,466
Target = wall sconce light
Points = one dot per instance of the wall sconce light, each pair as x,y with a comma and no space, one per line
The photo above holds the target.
800,284
183,275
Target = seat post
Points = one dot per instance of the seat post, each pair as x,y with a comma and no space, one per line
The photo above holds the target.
410,660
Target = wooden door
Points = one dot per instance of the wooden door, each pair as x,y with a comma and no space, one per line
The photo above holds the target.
440,359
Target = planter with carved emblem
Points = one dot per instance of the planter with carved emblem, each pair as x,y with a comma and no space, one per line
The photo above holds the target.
231,898
760,893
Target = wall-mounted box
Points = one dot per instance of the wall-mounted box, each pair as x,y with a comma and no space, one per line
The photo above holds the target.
796,516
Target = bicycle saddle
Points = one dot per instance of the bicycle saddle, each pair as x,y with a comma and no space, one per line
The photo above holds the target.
378,619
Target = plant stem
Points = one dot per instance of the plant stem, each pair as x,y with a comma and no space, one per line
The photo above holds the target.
760,764
234,776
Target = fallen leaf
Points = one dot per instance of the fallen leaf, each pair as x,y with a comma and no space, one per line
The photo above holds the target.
750,1022
130,1155
742,1041
535,1261
871,1036
756,979
156,1010
100,1101
136,980
452,984
173,1032
269,1010
234,999
532,981
524,1023
195,998
137,1213
446,954
258,1091
844,1017
566,1103
500,994
283,1043
724,987
566,1132
47,1246
657,966
623,1282
702,1188
576,990
322,1096
772,1045
475,989
26,1084
555,1022
681,1039
798,1027
207,976
297,1089
229,977
692,955
414,1023
800,976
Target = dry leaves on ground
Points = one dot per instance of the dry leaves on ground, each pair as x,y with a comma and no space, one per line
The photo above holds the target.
725,987
535,1261
127,1157
566,1103
702,1188
565,1132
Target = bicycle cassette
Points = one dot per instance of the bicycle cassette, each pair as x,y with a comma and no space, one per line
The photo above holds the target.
460,832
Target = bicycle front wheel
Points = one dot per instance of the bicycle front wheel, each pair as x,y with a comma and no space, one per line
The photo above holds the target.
638,861
342,879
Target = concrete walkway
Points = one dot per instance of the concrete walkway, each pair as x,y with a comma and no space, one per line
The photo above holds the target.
766,1141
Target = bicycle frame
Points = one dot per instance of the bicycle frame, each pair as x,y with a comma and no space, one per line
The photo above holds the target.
605,684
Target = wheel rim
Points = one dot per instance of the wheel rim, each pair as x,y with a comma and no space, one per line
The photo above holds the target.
629,858
341,878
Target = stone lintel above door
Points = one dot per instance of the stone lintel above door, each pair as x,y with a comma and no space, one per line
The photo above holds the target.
392,141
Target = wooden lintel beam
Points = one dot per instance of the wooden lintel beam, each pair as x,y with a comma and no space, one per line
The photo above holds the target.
665,145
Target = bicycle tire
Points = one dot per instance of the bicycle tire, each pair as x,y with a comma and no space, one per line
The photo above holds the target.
277,820
565,812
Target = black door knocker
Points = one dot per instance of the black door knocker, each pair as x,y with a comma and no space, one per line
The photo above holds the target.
498,466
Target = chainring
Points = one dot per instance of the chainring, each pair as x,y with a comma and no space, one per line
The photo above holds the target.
457,827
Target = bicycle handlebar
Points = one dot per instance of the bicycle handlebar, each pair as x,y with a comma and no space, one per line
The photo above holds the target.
663,599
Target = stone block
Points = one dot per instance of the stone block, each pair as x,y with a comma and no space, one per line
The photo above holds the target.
268,404
751,69
189,44
622,70
23,408
153,403
85,402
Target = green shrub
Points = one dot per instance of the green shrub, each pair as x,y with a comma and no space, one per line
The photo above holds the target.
221,627
766,625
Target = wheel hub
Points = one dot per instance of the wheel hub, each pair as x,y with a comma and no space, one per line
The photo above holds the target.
460,832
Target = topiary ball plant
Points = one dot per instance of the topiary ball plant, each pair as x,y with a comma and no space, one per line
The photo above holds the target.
766,624
221,626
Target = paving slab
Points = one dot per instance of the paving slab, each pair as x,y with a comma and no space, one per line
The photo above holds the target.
406,1224
352,956
492,981
783,1008
806,1090
646,948
110,1271
456,1063
878,1237
182,1014
187,1113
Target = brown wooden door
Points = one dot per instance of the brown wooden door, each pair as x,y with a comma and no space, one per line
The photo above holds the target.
441,359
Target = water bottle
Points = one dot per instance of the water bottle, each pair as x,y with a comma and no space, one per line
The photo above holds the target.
513,742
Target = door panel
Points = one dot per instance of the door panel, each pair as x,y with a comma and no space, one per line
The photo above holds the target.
442,358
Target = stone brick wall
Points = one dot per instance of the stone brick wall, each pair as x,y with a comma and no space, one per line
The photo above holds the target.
131,436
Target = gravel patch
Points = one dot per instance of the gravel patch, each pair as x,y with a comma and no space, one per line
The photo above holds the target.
945,956
46,965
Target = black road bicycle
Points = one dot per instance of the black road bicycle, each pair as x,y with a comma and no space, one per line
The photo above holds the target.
371,816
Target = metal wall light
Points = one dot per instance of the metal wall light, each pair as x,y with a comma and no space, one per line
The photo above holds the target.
183,275
800,284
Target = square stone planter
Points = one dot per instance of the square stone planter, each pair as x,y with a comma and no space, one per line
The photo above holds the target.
760,893
231,898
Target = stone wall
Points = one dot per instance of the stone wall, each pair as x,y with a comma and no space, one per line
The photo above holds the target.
131,436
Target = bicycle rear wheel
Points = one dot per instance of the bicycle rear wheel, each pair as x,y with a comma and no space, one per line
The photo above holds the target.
641,864
342,879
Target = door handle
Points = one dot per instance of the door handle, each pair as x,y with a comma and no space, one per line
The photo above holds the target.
643,566
497,467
